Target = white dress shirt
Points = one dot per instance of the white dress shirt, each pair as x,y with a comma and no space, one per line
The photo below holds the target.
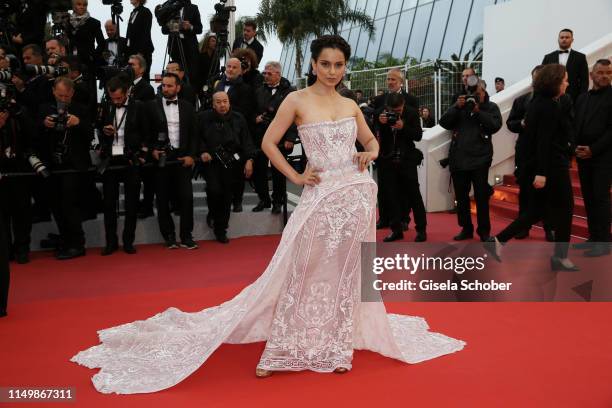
119,124
172,118
245,44
113,49
563,57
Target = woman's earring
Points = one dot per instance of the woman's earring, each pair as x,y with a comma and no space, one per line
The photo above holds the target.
314,72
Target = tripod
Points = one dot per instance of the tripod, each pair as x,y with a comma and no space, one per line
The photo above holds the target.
174,40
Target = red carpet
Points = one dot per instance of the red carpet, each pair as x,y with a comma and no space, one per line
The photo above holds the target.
518,354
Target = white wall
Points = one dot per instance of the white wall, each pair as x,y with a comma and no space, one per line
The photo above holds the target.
518,34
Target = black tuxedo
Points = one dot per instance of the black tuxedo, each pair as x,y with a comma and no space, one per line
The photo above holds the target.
189,41
87,41
577,71
138,34
187,93
381,100
143,91
594,129
255,46
121,55
135,135
174,177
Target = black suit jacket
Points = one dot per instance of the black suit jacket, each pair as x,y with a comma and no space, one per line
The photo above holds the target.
121,51
31,22
255,46
191,13
187,93
87,40
138,34
594,124
242,99
143,91
79,137
577,71
136,125
381,100
188,140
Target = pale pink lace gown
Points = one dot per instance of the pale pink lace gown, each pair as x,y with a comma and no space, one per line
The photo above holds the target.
306,305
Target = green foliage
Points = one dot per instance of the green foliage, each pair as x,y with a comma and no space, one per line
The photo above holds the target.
295,21
239,26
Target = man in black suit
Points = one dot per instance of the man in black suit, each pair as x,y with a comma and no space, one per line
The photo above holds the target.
186,93
399,127
395,84
55,48
575,62
174,134
30,23
35,90
114,47
242,100
190,27
138,34
142,90
248,39
124,136
63,141
594,156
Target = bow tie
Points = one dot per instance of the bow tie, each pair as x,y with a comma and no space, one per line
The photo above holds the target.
175,102
564,52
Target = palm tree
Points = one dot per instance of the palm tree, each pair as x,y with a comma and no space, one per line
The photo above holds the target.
293,21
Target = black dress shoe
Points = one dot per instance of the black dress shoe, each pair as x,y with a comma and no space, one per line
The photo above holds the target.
237,207
550,235
109,249
171,242
420,237
382,225
70,253
222,237
463,235
188,243
129,249
22,258
601,249
261,205
522,235
393,236
277,208
556,265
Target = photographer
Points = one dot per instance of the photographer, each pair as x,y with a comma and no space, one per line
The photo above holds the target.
249,63
55,49
114,47
35,89
82,93
224,135
189,27
138,34
122,140
64,140
16,133
173,129
241,98
186,93
248,40
30,22
473,119
268,98
399,127
141,88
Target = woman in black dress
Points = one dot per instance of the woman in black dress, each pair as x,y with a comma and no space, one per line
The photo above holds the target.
549,127
208,60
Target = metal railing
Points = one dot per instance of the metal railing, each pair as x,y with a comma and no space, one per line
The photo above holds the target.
433,82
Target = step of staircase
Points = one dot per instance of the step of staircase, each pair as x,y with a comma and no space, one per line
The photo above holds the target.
510,180
510,194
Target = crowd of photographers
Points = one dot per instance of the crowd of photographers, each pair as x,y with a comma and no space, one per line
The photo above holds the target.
58,139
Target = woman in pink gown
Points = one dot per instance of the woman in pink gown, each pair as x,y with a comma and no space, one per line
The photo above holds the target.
306,305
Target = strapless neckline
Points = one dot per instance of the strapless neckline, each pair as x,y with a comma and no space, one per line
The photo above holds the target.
325,122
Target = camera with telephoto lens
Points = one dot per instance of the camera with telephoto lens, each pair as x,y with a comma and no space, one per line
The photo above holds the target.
392,118
38,166
6,75
51,70
163,145
226,157
471,99
169,14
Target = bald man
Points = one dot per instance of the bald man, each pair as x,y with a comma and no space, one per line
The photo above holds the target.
114,47
227,152
242,100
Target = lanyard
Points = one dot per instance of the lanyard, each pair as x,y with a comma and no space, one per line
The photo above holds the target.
118,126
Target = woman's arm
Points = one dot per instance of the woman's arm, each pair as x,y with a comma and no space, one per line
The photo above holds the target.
285,116
367,140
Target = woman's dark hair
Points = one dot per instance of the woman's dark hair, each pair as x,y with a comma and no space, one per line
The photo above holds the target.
549,79
246,54
326,41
